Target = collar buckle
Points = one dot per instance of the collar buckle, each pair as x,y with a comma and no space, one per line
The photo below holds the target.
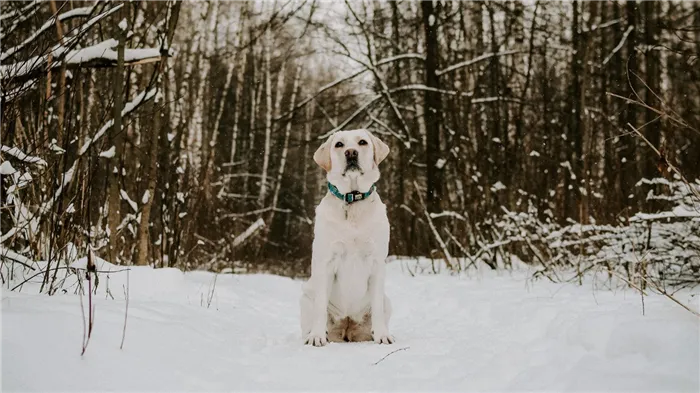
352,196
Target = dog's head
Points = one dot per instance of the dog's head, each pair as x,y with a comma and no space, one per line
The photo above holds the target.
351,159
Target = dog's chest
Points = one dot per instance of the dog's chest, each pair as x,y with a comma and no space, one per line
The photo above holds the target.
352,266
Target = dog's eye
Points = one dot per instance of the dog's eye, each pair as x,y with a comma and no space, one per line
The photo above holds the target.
362,142
339,144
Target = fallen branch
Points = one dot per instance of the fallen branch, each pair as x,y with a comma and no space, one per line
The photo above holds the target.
388,354
438,238
252,229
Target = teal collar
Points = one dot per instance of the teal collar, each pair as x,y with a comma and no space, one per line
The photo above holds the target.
352,196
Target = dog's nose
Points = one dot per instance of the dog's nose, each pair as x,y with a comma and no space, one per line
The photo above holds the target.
351,153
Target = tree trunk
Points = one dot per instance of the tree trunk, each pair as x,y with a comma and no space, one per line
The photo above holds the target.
433,107
628,150
285,147
144,225
652,127
116,162
60,112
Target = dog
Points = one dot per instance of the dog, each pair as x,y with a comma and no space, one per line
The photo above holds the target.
344,298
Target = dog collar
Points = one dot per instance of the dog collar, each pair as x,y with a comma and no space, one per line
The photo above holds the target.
352,196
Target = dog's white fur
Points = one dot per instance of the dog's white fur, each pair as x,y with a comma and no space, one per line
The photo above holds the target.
351,243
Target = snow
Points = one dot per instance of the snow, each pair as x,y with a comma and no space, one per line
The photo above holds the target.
130,201
12,14
24,179
13,256
123,24
20,155
448,214
109,153
84,11
431,20
252,229
24,67
440,163
53,146
498,186
104,50
680,211
6,168
146,197
100,265
488,332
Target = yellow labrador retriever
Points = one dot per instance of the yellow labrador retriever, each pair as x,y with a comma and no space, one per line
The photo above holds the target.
344,299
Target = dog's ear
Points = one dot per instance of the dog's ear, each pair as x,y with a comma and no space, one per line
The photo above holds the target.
323,155
381,149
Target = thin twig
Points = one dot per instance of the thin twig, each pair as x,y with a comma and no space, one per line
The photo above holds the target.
387,355
66,267
670,166
663,292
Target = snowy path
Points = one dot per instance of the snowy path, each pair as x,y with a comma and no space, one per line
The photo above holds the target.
493,333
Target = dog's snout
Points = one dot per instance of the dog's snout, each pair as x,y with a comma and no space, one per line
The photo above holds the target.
351,153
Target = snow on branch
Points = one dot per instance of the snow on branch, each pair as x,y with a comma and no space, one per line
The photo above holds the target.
602,25
252,229
677,212
484,100
96,56
475,60
67,176
20,155
27,66
17,12
619,46
448,213
104,52
663,244
99,55
6,253
22,14
78,12
128,108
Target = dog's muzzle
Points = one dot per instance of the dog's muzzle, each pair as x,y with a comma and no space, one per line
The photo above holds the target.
351,159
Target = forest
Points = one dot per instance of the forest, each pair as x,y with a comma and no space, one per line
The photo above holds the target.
181,134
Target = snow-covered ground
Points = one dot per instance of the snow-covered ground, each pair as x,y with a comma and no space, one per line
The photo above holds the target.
490,332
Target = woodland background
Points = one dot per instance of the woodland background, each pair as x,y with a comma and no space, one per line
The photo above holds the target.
180,134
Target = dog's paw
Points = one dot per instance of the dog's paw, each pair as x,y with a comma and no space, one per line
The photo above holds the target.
317,340
382,337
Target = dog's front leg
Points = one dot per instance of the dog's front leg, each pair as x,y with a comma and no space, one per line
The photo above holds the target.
318,336
380,332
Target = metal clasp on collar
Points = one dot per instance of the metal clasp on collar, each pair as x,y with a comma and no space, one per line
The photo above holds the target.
354,196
